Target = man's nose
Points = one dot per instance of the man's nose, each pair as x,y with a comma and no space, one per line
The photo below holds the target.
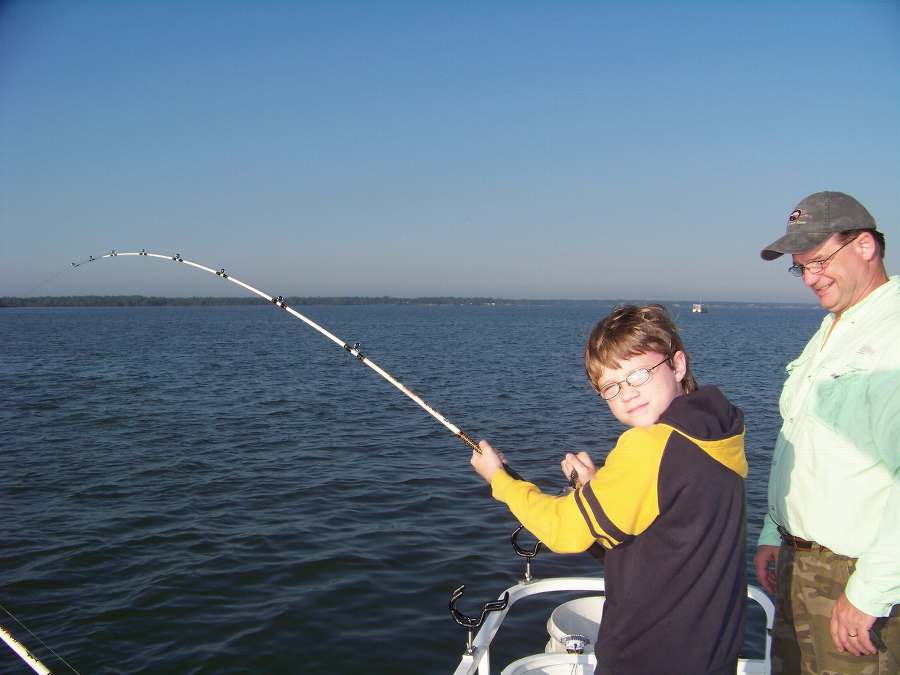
810,278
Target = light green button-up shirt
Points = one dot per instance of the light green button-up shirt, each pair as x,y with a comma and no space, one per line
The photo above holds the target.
835,473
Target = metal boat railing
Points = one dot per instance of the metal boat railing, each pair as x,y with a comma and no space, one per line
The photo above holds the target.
480,659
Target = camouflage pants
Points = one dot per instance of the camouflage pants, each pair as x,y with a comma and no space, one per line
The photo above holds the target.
809,585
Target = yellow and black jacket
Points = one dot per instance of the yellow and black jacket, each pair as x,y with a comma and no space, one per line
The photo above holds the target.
668,504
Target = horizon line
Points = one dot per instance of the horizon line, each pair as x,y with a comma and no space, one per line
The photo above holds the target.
143,300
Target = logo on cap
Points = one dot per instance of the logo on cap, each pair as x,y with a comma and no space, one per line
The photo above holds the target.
795,216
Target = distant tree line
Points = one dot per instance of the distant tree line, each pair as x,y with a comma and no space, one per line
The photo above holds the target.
154,301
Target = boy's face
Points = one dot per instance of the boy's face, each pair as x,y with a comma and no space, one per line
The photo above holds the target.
641,406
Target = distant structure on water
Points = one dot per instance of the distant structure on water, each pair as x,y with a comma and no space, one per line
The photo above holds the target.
699,308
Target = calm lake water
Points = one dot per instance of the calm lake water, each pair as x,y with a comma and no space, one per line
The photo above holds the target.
221,490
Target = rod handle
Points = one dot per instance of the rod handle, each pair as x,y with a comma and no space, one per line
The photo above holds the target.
512,472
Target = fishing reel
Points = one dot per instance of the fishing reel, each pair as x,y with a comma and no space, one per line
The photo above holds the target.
472,623
525,553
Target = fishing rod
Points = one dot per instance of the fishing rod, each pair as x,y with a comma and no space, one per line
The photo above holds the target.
280,302
23,653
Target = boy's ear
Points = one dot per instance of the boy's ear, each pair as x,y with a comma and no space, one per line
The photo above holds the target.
679,365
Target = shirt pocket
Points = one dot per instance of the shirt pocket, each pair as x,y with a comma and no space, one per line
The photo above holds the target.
839,398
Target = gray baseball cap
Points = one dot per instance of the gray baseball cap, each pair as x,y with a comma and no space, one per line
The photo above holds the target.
815,219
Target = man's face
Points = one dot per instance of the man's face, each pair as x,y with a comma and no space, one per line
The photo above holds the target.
641,406
843,281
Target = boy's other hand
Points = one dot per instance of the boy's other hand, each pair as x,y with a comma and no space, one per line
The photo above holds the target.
487,461
581,464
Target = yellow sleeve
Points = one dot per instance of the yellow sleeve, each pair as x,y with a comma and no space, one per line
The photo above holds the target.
622,499
556,521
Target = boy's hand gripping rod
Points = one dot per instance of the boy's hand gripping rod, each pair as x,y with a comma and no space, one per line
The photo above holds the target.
354,350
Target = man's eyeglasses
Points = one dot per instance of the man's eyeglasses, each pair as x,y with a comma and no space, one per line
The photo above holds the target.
635,379
815,266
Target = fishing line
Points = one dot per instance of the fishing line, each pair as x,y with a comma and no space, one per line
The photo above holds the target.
29,291
280,303
23,652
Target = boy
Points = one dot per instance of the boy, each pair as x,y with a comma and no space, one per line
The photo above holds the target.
667,504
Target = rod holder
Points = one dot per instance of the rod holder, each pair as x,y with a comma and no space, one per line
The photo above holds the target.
473,623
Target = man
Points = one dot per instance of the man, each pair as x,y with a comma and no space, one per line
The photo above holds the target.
829,549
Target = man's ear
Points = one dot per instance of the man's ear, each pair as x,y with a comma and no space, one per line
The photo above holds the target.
867,246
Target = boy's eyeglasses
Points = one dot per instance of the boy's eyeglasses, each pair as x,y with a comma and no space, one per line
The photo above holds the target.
635,379
815,266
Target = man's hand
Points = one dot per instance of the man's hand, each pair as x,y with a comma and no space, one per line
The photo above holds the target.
850,628
581,464
766,562
487,461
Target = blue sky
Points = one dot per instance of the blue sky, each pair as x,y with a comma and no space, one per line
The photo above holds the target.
512,149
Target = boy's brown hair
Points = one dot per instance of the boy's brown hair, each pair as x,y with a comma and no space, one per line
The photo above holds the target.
630,330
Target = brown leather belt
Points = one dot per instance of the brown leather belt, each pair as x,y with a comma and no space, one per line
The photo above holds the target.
798,543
